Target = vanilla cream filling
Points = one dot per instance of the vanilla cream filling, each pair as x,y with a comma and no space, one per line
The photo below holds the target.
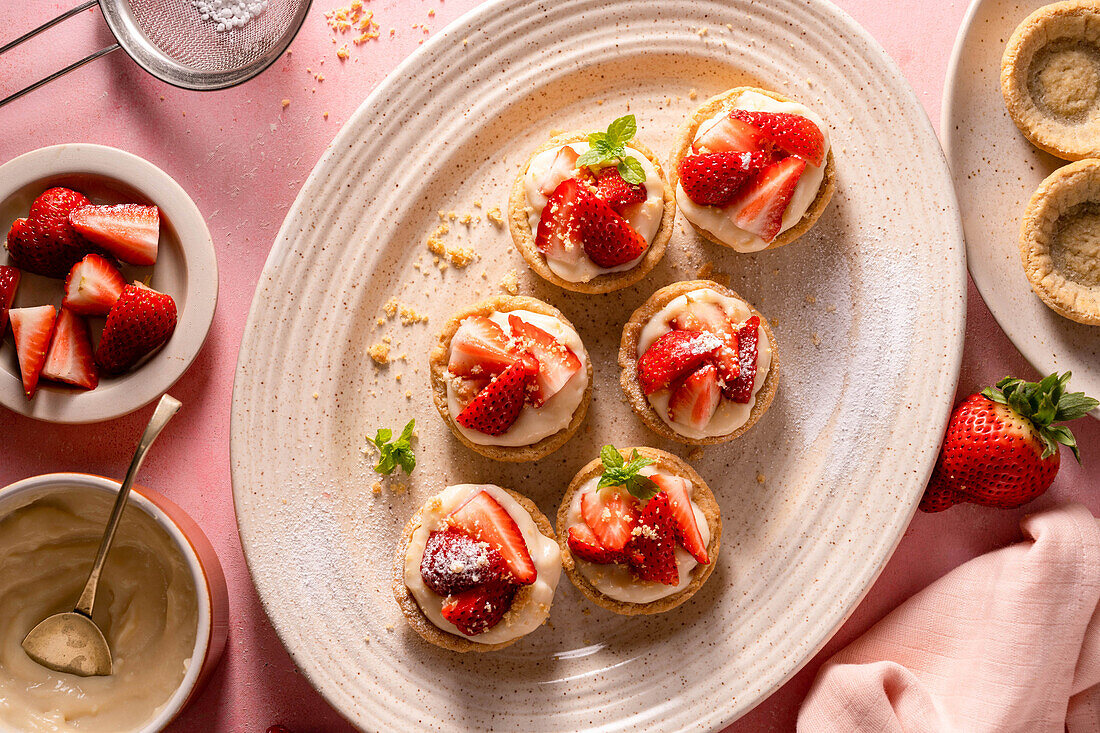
644,217
615,580
146,605
730,415
524,616
533,423
720,221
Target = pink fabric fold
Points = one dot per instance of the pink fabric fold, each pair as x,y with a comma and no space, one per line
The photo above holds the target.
1009,641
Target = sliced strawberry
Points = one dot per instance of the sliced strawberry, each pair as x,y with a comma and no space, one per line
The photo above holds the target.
140,322
45,242
607,238
686,525
565,162
709,317
715,179
130,232
556,362
651,552
672,356
584,544
32,328
557,236
694,400
610,513
93,286
479,609
496,407
613,189
749,337
480,349
454,562
9,282
760,206
69,358
484,519
790,133
730,135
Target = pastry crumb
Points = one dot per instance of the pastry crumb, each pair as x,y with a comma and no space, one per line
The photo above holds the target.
316,395
494,215
816,338
760,478
510,282
811,299
376,487
286,103
380,353
692,94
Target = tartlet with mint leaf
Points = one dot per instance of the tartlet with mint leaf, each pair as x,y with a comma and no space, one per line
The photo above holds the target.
639,531
592,212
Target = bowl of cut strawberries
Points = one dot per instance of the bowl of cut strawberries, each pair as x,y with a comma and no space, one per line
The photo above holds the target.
108,283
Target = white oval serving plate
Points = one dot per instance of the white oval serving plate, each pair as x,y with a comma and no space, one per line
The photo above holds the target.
996,171
186,269
870,309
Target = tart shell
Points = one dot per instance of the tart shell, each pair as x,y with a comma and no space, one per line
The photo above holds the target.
1074,294
416,618
1057,122
703,498
440,356
628,360
524,238
682,148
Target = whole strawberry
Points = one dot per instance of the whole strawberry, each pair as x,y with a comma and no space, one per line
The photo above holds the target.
1001,447
140,321
45,242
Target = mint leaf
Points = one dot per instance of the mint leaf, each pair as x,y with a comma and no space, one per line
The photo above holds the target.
396,453
589,157
622,130
631,170
625,474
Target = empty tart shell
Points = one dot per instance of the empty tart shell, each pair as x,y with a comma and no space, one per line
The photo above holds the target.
524,237
1060,241
416,618
1050,79
681,148
628,361
440,356
703,498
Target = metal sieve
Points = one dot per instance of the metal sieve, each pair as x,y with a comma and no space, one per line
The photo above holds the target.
171,40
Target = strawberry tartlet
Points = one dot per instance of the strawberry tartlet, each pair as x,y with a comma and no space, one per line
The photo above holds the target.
699,364
639,531
752,169
511,378
591,212
476,568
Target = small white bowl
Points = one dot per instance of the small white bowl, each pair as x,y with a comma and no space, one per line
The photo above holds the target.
186,269
193,545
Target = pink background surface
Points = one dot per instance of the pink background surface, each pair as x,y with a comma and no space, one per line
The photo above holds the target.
242,157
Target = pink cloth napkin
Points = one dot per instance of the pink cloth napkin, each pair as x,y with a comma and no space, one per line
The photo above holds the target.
1008,642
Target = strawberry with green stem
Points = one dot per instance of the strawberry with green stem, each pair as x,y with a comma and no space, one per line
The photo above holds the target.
1001,447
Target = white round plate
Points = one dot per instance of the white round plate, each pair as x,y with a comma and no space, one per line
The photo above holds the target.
186,269
996,171
869,305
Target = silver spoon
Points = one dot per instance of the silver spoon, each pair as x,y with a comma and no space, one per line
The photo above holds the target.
71,642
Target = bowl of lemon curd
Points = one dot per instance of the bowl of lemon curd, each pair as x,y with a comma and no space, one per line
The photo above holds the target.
162,604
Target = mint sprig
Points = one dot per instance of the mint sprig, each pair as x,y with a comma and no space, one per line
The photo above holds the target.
1044,403
610,146
396,453
618,472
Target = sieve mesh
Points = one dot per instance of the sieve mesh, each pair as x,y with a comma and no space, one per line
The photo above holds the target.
175,29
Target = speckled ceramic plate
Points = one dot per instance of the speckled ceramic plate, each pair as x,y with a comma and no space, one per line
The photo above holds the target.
996,171
868,310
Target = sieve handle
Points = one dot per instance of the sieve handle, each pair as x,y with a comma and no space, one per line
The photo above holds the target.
71,67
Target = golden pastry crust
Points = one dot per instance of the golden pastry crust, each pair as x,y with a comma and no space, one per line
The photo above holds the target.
1060,241
1050,79
524,238
440,356
701,495
416,618
682,148
628,361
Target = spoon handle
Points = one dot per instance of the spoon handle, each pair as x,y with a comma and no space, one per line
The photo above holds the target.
166,408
